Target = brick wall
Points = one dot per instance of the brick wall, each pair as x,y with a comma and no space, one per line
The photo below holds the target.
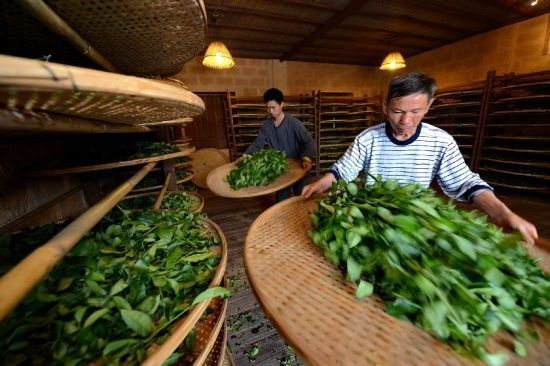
515,48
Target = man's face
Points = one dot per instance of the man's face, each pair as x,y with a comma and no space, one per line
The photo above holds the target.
405,113
274,108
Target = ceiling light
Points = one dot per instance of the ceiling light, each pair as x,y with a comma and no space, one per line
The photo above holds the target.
217,56
393,61
534,2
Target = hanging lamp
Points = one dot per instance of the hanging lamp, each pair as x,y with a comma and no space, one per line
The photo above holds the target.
217,56
393,61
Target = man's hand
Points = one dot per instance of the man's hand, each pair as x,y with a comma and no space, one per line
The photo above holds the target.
515,222
241,158
306,163
501,215
318,186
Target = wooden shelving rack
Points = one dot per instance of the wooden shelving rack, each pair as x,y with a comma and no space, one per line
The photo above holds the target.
458,111
515,152
340,118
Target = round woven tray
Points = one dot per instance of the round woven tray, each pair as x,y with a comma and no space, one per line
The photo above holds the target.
216,181
204,160
182,328
154,37
97,95
312,305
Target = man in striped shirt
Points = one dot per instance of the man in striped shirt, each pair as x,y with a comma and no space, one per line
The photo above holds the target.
410,151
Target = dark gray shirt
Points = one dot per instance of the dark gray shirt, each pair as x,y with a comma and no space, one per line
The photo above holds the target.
291,137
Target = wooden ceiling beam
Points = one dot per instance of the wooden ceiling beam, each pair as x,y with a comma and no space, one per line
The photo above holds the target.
257,29
354,6
408,20
362,29
336,60
311,4
451,12
258,13
248,39
523,11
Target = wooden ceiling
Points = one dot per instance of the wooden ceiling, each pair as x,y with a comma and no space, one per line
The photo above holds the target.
358,32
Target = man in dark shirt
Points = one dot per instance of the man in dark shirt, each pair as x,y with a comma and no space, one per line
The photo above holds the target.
284,132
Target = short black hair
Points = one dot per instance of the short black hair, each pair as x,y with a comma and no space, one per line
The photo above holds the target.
273,94
408,84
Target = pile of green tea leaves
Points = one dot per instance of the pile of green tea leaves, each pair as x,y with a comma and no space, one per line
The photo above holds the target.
115,294
446,270
258,169
171,201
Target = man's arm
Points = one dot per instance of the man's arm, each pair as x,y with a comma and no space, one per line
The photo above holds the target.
259,143
501,215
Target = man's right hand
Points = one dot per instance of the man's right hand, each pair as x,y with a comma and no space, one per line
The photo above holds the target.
318,186
241,158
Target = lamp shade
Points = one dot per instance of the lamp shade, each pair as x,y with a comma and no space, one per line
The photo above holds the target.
217,56
393,61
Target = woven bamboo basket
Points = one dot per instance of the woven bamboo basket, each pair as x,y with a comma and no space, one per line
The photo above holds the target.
182,328
216,181
152,38
313,306
35,85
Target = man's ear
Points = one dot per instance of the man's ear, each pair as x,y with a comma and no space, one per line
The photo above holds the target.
430,104
385,107
282,104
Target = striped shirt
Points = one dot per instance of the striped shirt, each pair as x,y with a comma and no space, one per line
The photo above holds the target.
430,153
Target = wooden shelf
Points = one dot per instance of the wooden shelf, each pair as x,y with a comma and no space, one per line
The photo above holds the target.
525,98
515,173
107,166
523,151
452,115
455,105
520,112
460,93
515,162
537,84
461,125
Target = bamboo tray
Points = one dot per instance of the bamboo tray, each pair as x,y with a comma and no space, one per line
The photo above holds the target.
186,324
216,181
35,85
203,161
314,308
106,166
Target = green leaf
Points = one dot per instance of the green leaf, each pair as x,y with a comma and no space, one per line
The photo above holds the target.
364,289
353,238
197,257
353,268
173,258
118,287
122,303
352,188
520,349
116,345
64,283
95,288
496,359
138,321
94,317
210,293
79,313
